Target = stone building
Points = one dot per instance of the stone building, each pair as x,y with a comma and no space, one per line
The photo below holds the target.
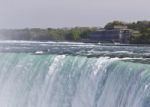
118,33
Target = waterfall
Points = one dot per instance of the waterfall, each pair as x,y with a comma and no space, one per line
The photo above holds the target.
28,80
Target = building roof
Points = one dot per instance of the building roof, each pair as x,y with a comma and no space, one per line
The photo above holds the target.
120,27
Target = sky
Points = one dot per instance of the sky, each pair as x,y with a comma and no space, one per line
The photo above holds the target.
70,13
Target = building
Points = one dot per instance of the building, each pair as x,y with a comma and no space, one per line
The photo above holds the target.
118,33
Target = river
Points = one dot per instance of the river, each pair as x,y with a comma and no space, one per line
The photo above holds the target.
63,74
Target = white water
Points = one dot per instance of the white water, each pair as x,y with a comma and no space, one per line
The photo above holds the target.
72,81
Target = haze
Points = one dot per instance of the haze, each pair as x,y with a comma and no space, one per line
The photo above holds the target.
70,13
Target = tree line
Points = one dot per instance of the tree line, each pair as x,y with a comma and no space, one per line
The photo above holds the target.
63,34
141,33
141,30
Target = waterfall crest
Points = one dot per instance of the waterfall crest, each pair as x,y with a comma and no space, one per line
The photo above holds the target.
72,81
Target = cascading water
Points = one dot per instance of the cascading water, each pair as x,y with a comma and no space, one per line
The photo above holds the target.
28,80
49,74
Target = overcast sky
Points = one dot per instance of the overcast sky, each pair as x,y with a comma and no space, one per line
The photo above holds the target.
70,13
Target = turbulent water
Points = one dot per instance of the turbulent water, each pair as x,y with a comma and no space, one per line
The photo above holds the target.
73,75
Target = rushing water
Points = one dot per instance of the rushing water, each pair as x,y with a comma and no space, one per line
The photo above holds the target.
34,74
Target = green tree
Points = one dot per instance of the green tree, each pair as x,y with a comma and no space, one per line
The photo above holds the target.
110,25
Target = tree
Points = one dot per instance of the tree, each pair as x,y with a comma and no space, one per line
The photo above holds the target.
110,25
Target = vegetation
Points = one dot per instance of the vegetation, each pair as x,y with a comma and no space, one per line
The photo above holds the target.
110,25
141,33
144,32
64,34
140,29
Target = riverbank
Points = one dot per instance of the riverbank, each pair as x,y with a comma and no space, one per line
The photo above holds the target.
140,34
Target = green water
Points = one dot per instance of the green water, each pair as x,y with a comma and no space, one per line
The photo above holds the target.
28,80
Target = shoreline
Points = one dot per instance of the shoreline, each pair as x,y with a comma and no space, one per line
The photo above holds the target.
74,42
